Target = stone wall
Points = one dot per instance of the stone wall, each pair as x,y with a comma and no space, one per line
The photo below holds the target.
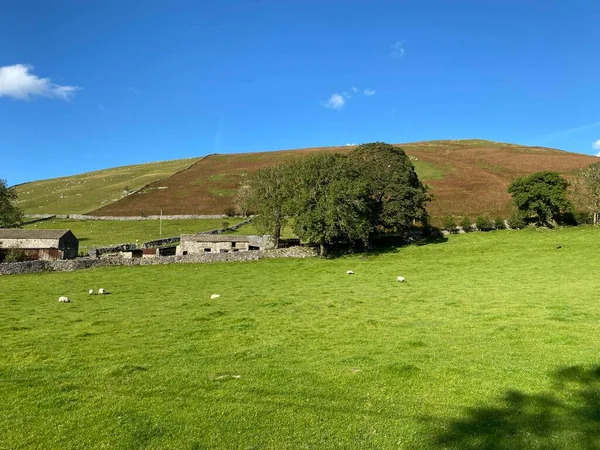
154,217
87,263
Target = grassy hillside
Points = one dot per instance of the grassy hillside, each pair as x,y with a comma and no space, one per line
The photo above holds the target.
467,177
82,193
297,354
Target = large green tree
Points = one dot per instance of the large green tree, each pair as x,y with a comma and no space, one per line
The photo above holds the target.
330,204
541,195
269,195
586,187
400,197
10,215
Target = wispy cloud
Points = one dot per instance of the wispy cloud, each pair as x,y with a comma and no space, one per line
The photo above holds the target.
397,49
339,100
336,101
567,132
596,145
18,82
351,145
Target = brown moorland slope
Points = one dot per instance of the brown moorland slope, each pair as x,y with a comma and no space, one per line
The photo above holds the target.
467,177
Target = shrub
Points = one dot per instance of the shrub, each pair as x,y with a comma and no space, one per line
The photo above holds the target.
516,222
466,224
14,255
230,211
583,218
499,224
224,225
483,224
449,224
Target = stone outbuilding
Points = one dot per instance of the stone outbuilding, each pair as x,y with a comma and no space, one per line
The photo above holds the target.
39,244
194,244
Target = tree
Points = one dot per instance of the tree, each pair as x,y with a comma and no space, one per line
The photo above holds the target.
399,195
269,189
541,195
331,201
243,199
10,215
586,187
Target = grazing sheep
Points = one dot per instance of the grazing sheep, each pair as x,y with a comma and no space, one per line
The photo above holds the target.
401,279
212,297
91,292
350,272
63,299
101,291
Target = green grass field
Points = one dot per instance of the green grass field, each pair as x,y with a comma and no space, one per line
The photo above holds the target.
492,342
82,193
98,233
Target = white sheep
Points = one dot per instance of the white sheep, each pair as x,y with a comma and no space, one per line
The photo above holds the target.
212,297
401,279
91,292
101,291
350,272
63,299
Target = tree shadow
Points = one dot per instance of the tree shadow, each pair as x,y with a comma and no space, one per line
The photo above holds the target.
567,416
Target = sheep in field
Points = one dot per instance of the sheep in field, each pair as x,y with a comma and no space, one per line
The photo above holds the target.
350,272
401,279
101,291
63,299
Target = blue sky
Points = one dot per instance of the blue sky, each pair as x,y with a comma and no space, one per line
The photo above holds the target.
90,85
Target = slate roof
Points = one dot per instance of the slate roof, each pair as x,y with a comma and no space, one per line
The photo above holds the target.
214,238
17,233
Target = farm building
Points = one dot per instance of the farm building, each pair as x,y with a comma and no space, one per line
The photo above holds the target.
193,244
39,244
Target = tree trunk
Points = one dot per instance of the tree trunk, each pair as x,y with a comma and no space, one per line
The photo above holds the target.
596,218
322,250
277,233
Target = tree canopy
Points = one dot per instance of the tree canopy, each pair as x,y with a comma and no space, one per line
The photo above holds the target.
269,197
541,195
10,215
330,203
399,195
333,198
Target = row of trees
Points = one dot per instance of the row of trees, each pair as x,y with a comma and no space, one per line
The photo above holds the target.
335,199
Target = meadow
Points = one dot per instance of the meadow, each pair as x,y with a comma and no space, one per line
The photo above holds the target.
99,233
491,342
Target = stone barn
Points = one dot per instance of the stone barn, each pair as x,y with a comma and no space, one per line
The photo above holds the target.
39,244
194,244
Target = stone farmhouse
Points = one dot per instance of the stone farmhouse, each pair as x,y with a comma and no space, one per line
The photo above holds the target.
39,244
194,244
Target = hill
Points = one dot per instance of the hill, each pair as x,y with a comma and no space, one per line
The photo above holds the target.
82,193
467,177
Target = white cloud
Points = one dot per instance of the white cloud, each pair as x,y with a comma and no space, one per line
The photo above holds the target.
351,145
336,101
18,82
397,49
596,145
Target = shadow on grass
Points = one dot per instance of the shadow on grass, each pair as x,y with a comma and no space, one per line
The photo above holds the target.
567,416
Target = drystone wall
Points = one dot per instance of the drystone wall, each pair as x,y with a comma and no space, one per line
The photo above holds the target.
87,263
153,217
